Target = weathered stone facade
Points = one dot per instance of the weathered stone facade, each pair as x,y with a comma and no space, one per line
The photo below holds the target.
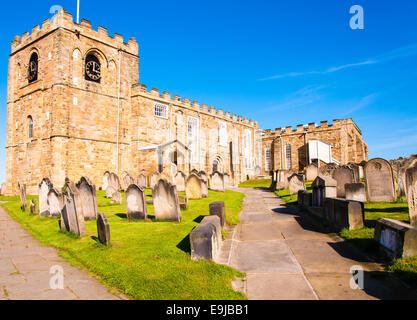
343,135
65,126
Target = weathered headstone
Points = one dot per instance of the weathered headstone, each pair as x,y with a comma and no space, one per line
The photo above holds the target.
127,180
165,201
296,183
218,209
88,198
106,178
343,213
44,187
343,175
142,181
323,187
282,179
72,210
135,203
33,207
114,181
193,187
54,203
103,229
22,193
194,171
154,179
312,171
411,187
355,191
180,181
203,176
226,178
217,181
109,191
116,197
206,239
379,180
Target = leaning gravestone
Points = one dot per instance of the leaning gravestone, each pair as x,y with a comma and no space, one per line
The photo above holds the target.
411,186
154,179
114,181
296,183
142,181
22,192
343,175
193,188
312,171
217,181
106,178
88,198
103,229
44,187
165,201
135,203
116,197
33,206
127,180
72,218
180,181
379,180
54,203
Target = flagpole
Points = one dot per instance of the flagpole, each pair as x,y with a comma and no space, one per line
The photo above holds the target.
78,11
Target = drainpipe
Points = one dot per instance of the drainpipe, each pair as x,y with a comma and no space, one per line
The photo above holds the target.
118,113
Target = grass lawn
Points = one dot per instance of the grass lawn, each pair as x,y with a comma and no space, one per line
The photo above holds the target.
147,259
256,183
405,268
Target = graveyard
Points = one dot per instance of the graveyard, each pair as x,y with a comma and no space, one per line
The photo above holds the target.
147,259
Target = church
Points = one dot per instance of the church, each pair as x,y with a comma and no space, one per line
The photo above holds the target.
76,107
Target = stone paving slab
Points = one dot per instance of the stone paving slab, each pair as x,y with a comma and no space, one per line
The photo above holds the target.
259,231
25,267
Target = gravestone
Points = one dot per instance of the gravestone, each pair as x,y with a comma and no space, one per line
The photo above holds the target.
88,198
411,187
33,207
106,177
154,179
142,181
355,191
22,193
328,169
323,187
355,170
401,175
396,239
379,181
343,175
227,183
72,215
54,203
206,239
217,181
312,171
116,197
193,188
341,213
194,171
203,176
109,191
296,183
180,181
127,180
103,229
183,202
204,189
114,181
44,187
218,209
165,201
281,179
136,203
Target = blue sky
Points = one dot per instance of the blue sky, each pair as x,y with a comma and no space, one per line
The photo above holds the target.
281,63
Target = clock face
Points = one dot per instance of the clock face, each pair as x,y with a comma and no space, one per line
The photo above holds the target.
32,70
93,71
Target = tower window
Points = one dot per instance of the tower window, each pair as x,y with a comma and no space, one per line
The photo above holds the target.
161,110
193,144
288,157
267,159
92,68
33,68
30,127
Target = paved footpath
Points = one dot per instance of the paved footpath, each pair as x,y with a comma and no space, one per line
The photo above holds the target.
287,255
25,269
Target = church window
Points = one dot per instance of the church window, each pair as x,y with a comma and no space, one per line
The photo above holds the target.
267,159
30,127
247,140
222,134
193,139
33,68
161,110
288,157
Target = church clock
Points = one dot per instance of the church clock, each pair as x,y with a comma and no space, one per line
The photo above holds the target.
92,69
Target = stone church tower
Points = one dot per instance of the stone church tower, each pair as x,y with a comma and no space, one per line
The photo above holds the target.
69,89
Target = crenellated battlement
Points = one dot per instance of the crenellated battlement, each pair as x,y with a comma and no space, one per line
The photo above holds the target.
166,97
63,19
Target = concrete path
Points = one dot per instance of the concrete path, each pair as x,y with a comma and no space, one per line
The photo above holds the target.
289,256
25,267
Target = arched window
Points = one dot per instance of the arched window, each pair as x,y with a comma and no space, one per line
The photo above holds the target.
30,128
92,68
33,68
288,158
215,165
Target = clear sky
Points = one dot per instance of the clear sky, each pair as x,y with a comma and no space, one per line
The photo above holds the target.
278,62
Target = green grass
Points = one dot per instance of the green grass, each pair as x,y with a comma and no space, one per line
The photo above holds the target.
147,259
256,183
285,195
